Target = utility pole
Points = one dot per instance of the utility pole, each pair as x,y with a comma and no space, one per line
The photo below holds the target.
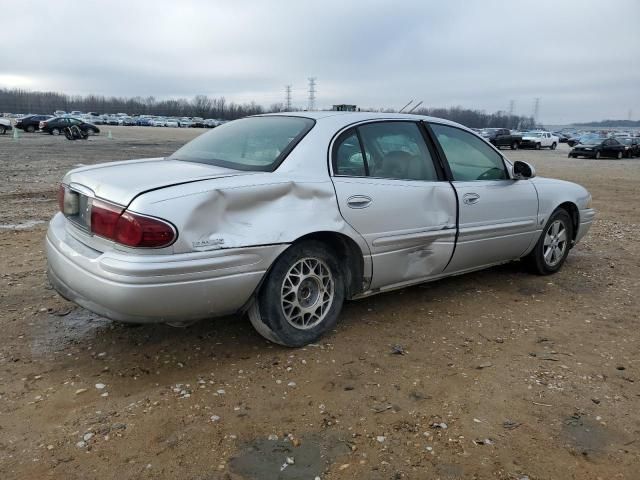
536,109
512,106
312,94
287,98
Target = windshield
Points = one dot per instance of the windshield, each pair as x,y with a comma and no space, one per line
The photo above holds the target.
253,143
591,141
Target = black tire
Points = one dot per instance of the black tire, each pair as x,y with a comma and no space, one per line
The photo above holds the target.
536,261
597,155
267,313
55,131
619,156
553,146
514,146
31,129
538,146
3,129
572,156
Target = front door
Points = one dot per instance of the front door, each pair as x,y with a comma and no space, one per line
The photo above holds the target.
498,215
389,189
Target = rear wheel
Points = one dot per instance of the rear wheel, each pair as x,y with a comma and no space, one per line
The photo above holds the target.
514,146
619,155
301,297
55,131
538,146
597,155
553,146
3,129
552,248
31,129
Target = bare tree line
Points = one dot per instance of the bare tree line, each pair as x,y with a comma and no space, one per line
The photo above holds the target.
24,101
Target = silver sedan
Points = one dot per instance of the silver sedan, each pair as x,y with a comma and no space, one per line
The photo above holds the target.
286,216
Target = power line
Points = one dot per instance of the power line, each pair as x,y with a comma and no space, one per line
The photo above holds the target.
287,98
312,94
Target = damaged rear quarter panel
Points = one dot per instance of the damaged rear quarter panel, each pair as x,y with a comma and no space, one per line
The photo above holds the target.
257,209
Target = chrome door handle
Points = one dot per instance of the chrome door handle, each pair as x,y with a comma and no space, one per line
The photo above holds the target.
359,201
470,198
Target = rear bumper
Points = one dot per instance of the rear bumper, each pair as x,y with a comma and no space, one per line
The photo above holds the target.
154,288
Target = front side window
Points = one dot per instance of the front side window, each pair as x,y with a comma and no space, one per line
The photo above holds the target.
394,150
253,143
470,158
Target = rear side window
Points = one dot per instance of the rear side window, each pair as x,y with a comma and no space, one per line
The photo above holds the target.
253,143
394,150
469,157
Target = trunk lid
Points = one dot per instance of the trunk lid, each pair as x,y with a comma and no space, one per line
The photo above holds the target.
121,182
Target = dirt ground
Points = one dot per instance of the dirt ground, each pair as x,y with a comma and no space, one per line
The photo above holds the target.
496,375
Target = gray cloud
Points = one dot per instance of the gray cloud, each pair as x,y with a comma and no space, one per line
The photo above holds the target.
579,57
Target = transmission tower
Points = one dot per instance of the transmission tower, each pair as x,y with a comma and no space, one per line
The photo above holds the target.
287,98
312,94
536,109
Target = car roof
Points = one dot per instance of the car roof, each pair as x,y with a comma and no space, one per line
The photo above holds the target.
342,119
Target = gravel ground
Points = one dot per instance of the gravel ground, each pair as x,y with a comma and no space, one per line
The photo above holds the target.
492,375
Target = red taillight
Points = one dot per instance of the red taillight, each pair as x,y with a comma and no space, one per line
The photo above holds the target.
104,218
128,228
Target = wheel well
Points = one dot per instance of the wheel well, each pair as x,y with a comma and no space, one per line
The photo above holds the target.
572,210
349,255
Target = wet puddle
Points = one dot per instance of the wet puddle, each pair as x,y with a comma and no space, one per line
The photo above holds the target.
60,329
589,437
266,459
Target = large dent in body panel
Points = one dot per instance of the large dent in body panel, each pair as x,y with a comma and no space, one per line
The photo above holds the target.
229,214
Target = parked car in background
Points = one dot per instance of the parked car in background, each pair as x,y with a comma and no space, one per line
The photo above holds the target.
5,125
31,123
538,140
59,113
250,217
197,122
210,123
128,121
562,137
55,125
172,122
501,137
144,122
184,122
159,122
631,146
596,147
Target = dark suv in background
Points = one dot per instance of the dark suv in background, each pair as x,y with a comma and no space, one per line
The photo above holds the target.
31,123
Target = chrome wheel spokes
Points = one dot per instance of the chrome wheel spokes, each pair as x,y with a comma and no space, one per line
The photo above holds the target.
307,293
555,243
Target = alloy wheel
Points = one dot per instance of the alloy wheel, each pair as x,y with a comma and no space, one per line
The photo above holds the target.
555,243
307,293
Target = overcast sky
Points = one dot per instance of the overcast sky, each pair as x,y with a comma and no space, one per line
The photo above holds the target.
581,58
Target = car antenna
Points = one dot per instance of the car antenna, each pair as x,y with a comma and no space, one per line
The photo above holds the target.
410,102
415,106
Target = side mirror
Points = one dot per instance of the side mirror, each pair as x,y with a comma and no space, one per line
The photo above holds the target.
522,170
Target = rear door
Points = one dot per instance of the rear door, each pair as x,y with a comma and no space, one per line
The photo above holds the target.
392,192
498,215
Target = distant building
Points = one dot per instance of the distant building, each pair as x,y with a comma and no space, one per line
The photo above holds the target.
345,108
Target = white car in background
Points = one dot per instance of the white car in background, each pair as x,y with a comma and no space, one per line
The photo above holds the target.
159,122
185,122
172,122
539,139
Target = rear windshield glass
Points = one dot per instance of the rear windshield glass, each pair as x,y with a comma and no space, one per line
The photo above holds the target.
254,143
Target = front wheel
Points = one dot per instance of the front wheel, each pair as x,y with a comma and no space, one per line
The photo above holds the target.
552,248
619,155
3,129
553,146
597,155
302,296
31,129
538,146
55,131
